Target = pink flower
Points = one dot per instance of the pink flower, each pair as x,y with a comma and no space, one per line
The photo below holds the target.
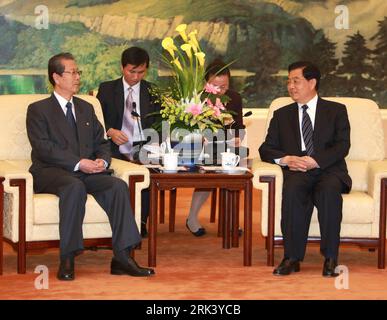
194,108
216,111
219,104
209,88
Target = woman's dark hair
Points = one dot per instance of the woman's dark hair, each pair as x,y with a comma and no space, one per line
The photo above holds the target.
309,70
135,56
217,68
55,65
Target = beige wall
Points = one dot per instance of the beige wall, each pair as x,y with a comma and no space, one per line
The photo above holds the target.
256,124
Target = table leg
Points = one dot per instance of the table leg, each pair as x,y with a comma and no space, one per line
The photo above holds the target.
247,243
162,206
213,205
172,209
221,212
152,225
227,199
235,219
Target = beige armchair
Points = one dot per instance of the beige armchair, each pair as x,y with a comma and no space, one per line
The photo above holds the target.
364,208
31,220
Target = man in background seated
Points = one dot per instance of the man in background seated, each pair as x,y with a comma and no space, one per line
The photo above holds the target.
70,158
118,99
309,139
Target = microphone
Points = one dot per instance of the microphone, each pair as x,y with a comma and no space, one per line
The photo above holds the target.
248,114
137,116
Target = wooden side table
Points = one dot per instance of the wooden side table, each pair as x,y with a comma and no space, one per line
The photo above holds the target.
230,186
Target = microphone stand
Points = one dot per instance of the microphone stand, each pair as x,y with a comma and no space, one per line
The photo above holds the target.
137,116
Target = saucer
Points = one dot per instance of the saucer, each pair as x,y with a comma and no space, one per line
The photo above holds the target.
169,171
237,170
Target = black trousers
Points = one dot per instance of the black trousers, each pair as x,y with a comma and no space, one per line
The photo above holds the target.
301,192
112,195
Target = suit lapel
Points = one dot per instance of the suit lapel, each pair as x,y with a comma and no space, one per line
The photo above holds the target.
144,103
60,119
119,99
295,124
319,120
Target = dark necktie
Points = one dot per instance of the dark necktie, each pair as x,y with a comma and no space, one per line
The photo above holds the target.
69,116
307,131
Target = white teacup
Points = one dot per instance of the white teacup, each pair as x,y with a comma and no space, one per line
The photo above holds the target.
229,160
170,161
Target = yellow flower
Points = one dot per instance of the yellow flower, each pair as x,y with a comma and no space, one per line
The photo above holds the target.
192,40
187,49
168,45
177,63
200,56
181,29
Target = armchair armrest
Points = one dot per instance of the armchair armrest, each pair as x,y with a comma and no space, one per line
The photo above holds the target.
268,178
377,170
15,169
129,172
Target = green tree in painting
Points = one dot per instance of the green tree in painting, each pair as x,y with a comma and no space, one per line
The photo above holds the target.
356,68
322,52
379,62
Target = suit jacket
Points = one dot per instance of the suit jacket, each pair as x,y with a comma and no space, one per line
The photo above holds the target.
111,96
331,137
235,104
55,147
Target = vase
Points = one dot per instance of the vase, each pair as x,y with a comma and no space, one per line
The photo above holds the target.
189,146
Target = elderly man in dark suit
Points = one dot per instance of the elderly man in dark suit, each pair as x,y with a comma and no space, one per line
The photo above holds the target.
309,139
119,98
70,158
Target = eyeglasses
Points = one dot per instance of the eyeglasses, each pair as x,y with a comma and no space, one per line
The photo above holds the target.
74,73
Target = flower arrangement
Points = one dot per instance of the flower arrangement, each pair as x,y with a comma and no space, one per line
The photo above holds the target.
191,103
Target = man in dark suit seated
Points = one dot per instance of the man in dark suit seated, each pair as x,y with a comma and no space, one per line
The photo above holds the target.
70,158
309,139
118,99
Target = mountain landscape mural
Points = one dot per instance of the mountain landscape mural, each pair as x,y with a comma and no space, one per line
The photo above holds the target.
261,37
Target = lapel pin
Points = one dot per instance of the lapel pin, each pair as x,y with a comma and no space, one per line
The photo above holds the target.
87,123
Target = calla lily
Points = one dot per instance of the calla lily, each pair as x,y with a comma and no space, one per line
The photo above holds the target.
181,30
200,56
168,45
192,40
187,49
178,64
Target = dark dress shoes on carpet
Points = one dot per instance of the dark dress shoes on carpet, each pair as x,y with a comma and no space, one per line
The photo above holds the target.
329,268
130,268
66,269
200,232
144,231
286,267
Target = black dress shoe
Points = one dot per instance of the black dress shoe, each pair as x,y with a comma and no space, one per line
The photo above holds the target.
329,268
200,232
131,268
144,231
66,269
286,267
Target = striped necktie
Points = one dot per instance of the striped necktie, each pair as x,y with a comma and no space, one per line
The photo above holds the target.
307,131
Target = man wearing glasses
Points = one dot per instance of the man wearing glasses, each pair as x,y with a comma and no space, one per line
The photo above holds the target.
309,139
70,158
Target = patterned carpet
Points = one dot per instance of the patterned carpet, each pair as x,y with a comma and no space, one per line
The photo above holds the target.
197,268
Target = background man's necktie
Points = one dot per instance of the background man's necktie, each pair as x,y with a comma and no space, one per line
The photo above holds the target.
128,123
307,131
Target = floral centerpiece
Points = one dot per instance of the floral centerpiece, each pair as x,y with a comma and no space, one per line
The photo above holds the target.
191,103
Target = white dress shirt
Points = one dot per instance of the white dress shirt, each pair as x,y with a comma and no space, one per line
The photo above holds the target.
136,99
